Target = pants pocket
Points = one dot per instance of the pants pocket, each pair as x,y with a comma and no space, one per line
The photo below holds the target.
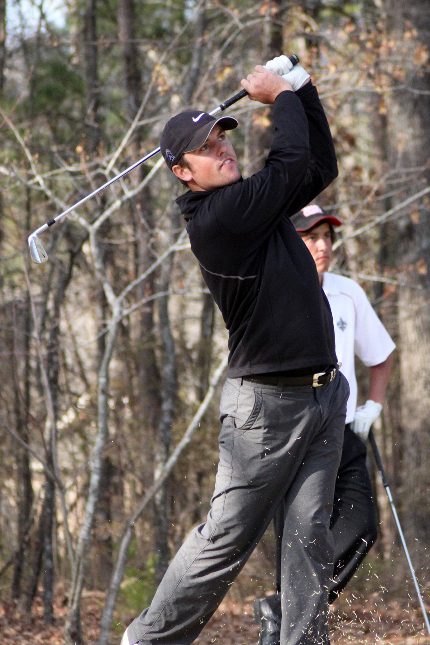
243,403
249,408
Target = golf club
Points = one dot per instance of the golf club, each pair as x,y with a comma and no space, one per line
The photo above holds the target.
378,461
37,250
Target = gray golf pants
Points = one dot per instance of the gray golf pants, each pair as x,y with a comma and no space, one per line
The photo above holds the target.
277,445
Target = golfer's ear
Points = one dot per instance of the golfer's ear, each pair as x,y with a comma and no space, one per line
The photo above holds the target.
182,173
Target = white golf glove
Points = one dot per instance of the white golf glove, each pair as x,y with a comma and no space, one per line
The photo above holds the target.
365,415
296,77
294,74
279,65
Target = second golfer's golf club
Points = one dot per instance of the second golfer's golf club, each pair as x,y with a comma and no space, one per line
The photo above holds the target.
37,250
380,466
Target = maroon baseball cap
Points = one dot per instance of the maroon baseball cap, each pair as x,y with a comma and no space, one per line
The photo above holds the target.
188,131
311,216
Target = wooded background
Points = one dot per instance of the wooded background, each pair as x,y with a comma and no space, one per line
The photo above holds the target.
112,352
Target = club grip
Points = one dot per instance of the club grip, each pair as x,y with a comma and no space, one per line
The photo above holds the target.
233,99
242,93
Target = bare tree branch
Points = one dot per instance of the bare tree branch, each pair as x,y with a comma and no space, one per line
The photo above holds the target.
106,620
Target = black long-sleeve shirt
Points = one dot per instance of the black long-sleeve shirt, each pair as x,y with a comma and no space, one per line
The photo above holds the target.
256,266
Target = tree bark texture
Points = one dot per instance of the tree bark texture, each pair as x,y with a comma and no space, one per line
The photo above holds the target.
409,133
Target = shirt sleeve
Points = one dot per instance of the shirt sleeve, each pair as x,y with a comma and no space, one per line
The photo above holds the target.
300,164
373,344
322,166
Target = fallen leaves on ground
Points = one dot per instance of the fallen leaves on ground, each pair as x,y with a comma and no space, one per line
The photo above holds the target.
353,619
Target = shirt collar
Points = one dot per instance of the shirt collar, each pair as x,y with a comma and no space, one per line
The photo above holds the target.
329,284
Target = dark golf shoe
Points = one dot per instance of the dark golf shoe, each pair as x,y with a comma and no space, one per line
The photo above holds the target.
267,614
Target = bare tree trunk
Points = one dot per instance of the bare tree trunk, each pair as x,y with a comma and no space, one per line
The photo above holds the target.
167,415
92,84
101,564
144,226
2,77
409,131
34,559
48,551
204,355
23,588
389,438
53,372
73,628
103,548
152,394
2,43
194,72
133,81
44,552
20,378
271,46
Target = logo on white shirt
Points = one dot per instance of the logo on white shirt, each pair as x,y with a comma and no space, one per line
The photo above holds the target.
342,324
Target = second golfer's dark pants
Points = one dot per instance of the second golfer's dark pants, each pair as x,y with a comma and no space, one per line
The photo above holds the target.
353,522
275,443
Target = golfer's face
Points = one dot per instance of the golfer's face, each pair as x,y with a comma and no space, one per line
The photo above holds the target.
214,164
318,241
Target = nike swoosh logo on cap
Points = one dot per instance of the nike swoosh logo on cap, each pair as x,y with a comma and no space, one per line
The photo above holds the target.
197,118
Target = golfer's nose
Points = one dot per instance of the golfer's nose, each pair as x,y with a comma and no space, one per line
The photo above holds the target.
222,146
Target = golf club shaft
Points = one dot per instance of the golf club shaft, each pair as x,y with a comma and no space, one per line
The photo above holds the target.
68,210
54,220
220,108
380,466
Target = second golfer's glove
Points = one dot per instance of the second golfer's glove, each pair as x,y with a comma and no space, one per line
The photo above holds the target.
365,415
296,77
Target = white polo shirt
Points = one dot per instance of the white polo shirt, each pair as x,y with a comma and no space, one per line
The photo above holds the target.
358,331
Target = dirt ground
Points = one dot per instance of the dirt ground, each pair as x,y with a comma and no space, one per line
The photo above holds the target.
355,619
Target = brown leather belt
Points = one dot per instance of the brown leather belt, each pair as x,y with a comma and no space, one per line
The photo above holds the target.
315,380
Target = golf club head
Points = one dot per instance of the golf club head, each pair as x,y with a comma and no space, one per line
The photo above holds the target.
37,250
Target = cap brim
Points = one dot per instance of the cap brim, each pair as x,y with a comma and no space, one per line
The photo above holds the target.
319,219
227,122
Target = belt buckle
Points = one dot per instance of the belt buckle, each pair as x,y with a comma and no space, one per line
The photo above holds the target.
315,377
331,375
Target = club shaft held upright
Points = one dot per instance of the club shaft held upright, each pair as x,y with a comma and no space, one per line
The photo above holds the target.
380,466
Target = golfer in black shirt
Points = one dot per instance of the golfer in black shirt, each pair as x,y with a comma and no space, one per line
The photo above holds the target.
283,404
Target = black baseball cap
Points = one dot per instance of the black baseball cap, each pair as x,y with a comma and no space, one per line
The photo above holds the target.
311,216
188,131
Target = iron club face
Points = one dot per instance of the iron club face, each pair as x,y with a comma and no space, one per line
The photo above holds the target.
37,250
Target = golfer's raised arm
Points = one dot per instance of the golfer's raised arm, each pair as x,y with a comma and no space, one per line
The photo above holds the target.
322,167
